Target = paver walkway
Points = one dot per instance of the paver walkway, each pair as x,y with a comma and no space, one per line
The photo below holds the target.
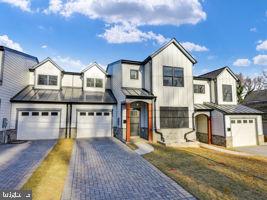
107,169
18,161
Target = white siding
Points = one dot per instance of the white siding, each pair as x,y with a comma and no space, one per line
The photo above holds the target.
217,123
226,78
94,72
126,81
213,92
47,68
31,78
147,76
69,80
172,96
15,78
200,98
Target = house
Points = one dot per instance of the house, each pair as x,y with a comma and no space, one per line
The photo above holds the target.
258,100
14,76
157,99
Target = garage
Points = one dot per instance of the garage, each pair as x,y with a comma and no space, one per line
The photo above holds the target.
94,124
243,132
34,125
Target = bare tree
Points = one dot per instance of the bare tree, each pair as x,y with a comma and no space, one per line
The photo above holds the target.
265,78
246,85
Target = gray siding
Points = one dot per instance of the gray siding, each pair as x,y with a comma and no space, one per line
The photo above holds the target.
15,78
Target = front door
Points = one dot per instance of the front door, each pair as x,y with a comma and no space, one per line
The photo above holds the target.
135,122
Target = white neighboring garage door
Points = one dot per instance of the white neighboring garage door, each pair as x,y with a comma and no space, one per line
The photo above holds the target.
243,132
34,125
93,124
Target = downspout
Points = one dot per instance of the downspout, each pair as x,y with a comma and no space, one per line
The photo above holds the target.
155,123
67,117
70,122
194,128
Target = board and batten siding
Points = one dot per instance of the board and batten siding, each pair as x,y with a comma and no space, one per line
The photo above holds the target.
71,80
126,80
200,98
167,95
217,121
15,78
147,76
94,72
226,78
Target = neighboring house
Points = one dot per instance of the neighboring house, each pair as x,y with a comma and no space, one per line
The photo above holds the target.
14,76
58,104
157,99
258,100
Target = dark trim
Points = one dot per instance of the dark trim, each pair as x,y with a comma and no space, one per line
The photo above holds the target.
243,113
61,102
139,97
72,73
201,78
204,109
67,117
2,70
3,48
70,122
133,62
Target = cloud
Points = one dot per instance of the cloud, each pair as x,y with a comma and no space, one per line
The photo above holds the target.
5,41
260,60
125,33
44,46
253,29
69,63
241,62
189,46
262,45
24,5
54,6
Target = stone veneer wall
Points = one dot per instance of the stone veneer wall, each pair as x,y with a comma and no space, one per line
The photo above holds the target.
118,133
12,133
202,137
219,140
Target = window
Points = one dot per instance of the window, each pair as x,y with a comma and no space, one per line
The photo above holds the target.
173,76
82,114
174,117
250,121
45,113
90,82
199,89
35,113
106,113
54,113
232,121
91,114
99,82
99,114
134,74
47,80
245,121
227,93
25,113
239,121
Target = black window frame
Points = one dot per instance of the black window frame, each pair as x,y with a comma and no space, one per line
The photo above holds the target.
25,113
226,96
137,74
174,78
174,117
35,113
45,113
88,83
98,114
55,113
48,80
198,90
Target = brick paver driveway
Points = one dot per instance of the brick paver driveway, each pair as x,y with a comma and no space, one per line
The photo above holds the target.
107,169
18,162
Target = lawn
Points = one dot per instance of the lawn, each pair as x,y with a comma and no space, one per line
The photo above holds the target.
208,174
47,182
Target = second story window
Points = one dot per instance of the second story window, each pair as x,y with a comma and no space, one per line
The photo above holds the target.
134,74
199,89
47,80
173,76
94,82
227,93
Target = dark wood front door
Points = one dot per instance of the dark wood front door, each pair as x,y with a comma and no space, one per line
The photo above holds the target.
135,122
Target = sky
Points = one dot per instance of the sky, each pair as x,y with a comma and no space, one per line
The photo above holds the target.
75,33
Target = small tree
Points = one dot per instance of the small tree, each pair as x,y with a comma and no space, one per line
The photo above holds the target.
246,85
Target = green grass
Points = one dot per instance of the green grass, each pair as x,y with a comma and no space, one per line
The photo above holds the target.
47,182
208,174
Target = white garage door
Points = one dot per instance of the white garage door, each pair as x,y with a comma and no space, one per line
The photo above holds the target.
93,124
243,132
33,125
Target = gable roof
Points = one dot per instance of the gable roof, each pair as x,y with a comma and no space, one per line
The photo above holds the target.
215,73
94,64
178,45
44,61
258,96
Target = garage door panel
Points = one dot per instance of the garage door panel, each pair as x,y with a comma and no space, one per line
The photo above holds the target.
243,132
89,124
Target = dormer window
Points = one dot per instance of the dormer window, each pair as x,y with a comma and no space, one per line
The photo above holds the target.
134,74
47,80
94,82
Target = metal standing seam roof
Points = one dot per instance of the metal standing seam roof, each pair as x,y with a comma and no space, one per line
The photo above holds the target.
65,95
136,93
234,109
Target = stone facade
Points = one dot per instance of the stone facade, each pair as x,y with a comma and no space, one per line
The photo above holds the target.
219,140
11,134
202,137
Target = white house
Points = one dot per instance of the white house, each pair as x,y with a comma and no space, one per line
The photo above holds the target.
157,99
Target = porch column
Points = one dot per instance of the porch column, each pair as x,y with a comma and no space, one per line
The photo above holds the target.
150,128
209,131
128,125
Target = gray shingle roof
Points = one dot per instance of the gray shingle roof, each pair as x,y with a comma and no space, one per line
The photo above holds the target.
234,109
66,95
258,96
212,74
136,93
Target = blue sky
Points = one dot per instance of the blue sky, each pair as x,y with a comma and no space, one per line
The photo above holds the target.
78,32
